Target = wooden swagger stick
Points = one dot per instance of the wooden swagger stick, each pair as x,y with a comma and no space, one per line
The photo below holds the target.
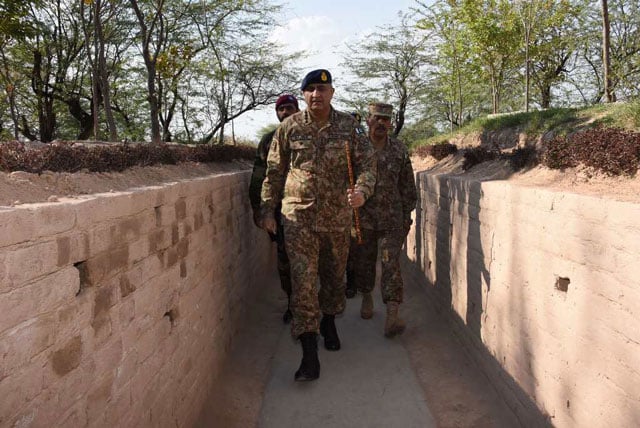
353,186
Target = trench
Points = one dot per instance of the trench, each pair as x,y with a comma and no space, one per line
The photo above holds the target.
424,378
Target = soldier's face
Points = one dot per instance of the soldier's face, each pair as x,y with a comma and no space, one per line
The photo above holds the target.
318,96
285,110
379,126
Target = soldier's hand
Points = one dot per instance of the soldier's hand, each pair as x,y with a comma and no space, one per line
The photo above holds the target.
355,198
269,224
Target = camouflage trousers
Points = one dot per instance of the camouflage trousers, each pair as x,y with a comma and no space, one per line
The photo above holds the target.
283,260
364,258
313,256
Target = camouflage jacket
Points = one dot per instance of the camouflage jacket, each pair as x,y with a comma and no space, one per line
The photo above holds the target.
307,170
395,193
259,172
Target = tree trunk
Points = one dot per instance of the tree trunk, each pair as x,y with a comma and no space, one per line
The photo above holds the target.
527,71
46,114
102,74
84,119
545,94
150,64
606,48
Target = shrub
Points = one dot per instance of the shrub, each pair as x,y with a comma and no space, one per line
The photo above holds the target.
70,157
477,155
558,154
611,150
522,157
438,151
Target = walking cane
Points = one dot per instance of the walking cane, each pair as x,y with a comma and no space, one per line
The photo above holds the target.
352,184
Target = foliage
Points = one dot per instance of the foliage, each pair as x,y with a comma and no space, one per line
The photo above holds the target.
70,157
532,122
437,151
416,132
392,66
477,155
610,150
177,70
522,157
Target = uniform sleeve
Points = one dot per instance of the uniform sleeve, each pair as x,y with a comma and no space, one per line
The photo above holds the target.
277,163
365,163
259,172
407,184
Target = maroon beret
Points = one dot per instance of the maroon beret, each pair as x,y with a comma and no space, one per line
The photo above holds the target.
286,99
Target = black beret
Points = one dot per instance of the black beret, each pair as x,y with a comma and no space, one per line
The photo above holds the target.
316,76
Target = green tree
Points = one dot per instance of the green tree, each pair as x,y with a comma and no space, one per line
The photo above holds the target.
391,65
554,42
449,95
242,70
492,29
624,52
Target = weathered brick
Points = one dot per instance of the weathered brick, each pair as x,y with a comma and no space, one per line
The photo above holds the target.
138,250
68,357
75,417
108,357
25,264
17,390
126,369
99,396
74,386
26,223
104,208
159,239
39,412
42,296
135,305
181,209
20,344
106,264
16,226
117,410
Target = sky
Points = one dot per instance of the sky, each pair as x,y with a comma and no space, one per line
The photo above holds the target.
321,28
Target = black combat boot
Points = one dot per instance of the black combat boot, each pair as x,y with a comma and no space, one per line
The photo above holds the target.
286,317
329,332
350,291
310,365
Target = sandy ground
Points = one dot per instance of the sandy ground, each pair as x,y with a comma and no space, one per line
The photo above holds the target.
21,188
573,180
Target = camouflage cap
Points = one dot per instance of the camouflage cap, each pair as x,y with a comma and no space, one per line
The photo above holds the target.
381,109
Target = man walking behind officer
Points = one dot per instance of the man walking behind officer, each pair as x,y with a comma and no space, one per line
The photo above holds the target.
385,221
308,170
286,105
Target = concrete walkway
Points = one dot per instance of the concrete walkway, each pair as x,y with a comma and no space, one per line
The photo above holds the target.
367,383
423,378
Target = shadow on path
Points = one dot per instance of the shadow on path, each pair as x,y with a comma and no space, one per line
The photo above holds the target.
421,379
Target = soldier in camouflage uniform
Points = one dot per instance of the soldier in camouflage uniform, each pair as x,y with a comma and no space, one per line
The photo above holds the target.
286,105
385,220
351,291
307,170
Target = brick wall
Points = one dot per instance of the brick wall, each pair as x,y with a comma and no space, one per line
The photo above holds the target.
544,289
117,309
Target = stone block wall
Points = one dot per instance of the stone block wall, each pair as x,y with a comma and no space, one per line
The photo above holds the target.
118,309
544,289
